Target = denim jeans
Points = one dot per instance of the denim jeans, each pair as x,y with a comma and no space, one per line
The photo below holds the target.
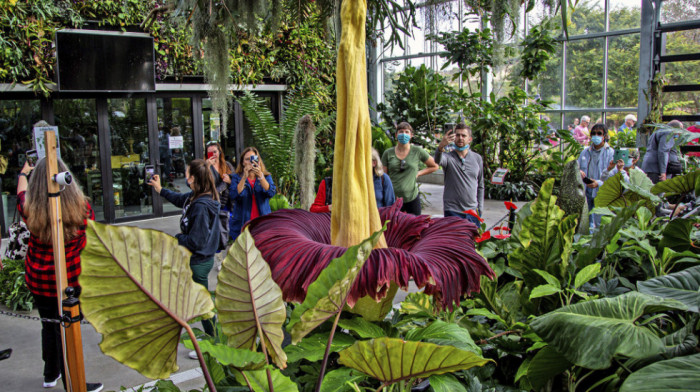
462,215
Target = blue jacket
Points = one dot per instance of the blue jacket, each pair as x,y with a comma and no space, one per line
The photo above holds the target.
199,224
595,171
243,202
384,191
660,151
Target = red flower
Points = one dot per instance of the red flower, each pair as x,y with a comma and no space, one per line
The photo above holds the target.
510,205
474,214
483,237
501,235
438,254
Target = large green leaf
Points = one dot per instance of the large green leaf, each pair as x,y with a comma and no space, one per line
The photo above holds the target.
249,302
339,380
138,293
676,235
440,332
365,329
546,364
446,383
590,334
390,360
602,237
419,304
678,185
313,347
615,192
677,374
328,294
257,379
540,236
683,286
241,359
680,343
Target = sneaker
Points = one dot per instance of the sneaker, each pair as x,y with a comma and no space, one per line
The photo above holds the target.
94,387
193,355
51,383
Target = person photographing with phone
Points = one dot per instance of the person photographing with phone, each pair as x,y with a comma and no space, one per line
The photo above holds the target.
593,162
250,191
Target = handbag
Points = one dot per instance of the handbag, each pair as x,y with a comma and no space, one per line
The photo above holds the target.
674,168
18,243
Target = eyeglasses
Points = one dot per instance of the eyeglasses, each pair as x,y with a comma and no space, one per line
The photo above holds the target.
402,166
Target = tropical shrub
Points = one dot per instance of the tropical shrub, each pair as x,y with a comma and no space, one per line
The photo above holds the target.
13,290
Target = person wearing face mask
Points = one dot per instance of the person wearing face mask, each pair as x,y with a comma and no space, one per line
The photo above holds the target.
401,163
593,162
251,190
464,175
625,167
661,159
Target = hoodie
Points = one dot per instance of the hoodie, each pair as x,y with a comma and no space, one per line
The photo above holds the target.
199,224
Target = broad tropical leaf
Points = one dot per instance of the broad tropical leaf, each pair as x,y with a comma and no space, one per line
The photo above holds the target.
390,360
678,344
615,192
241,359
673,375
296,244
338,380
257,379
587,273
446,334
678,185
683,286
601,238
418,304
543,291
138,293
676,235
249,302
329,293
590,334
313,347
446,383
362,327
546,364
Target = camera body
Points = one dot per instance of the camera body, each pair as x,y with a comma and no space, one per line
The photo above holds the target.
63,178
254,159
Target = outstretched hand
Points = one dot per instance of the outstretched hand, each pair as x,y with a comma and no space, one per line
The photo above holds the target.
155,183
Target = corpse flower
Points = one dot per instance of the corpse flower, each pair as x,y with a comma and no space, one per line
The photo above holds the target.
436,253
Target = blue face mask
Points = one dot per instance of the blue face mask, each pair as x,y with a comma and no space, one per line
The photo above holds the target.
403,138
596,140
466,147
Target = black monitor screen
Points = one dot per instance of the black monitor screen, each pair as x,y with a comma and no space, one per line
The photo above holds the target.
104,61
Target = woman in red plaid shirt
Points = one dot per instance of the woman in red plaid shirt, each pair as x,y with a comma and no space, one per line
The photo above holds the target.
33,205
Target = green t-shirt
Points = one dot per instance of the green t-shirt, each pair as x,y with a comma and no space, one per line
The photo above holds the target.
404,181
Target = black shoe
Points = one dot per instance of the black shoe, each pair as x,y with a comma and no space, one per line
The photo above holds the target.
94,387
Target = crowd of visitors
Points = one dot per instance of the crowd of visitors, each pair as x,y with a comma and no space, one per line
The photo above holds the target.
223,199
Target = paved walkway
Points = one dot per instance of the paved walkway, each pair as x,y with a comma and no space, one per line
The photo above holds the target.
23,371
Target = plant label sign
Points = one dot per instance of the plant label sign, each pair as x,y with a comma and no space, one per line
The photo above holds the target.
39,143
499,176
176,142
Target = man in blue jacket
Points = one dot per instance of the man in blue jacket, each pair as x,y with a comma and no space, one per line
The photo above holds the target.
593,161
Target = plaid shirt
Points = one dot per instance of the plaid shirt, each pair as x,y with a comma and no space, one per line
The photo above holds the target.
41,273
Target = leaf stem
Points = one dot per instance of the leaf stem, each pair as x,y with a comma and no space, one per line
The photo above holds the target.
328,351
200,357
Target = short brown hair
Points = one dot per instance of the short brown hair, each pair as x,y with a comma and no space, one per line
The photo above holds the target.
404,125
464,126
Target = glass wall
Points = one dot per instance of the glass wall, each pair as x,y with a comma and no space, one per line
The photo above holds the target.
175,144
128,130
80,146
17,117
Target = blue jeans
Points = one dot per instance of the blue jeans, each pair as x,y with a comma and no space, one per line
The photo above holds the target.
462,215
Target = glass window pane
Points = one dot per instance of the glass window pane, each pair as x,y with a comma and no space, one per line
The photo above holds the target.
416,42
390,74
17,117
418,61
396,50
681,103
625,14
623,71
548,85
448,72
539,13
679,10
129,136
682,42
588,17
176,145
682,72
80,146
584,73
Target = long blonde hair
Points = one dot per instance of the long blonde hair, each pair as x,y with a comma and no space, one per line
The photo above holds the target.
378,170
36,204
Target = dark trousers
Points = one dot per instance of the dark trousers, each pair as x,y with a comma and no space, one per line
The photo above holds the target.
412,207
200,274
51,344
462,215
